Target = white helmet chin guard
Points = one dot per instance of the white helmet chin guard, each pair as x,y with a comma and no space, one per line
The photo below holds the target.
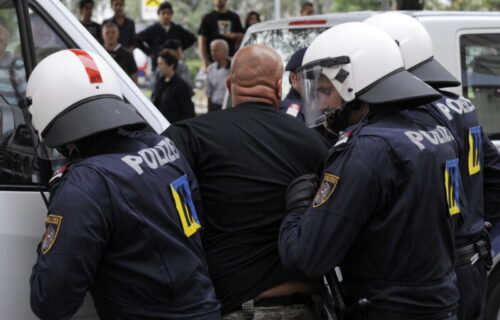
362,63
416,48
75,94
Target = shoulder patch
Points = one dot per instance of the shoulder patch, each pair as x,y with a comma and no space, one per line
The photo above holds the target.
325,189
52,225
293,109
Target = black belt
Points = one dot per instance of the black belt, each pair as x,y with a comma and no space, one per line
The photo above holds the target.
389,315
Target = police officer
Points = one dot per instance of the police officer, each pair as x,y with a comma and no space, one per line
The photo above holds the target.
457,113
123,214
386,207
292,103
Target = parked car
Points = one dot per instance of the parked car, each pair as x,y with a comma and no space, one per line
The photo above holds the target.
36,28
466,43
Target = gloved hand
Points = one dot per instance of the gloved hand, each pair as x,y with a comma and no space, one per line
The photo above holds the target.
300,192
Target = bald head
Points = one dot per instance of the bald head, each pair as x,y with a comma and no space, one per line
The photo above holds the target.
255,75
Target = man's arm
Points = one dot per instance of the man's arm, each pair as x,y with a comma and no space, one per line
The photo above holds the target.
187,38
202,47
143,40
491,179
77,231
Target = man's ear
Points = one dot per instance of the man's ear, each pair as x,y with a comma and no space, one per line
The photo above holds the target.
228,83
279,89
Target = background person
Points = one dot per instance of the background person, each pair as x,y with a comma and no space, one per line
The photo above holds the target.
151,39
292,104
182,68
122,56
114,224
171,94
401,260
217,73
307,9
221,23
86,8
126,26
253,17
12,73
244,158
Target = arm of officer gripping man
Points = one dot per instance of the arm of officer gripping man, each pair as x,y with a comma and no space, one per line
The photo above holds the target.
313,242
300,193
491,178
77,229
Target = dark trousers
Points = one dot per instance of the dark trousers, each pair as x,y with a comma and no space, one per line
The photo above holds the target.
471,283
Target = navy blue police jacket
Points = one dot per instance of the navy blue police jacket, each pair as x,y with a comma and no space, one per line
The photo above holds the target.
125,225
381,213
477,155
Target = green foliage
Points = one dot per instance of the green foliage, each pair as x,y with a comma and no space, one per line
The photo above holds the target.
356,5
194,65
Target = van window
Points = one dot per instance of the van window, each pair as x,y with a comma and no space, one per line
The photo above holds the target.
480,62
17,160
45,39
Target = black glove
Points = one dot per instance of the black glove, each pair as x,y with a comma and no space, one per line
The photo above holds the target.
300,193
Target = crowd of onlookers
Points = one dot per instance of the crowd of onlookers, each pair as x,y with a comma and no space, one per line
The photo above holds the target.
219,36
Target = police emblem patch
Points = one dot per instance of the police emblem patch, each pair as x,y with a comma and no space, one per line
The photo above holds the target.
52,224
326,189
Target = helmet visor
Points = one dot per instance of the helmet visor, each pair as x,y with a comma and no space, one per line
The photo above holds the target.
319,96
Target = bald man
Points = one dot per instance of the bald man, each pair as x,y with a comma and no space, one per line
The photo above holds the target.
244,158
217,73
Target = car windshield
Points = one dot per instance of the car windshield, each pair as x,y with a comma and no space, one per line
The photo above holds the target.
285,42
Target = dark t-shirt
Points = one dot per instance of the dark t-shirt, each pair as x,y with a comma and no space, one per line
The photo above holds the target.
244,158
214,24
125,59
95,30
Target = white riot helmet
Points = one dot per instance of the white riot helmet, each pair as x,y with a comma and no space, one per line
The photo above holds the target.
75,94
416,48
363,64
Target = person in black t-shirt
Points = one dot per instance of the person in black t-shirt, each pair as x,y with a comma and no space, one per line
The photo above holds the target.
221,23
172,95
151,39
244,158
126,26
86,7
122,56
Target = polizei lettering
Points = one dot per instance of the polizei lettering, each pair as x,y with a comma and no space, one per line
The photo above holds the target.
440,135
459,106
163,153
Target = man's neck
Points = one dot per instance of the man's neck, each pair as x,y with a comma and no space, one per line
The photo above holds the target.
120,18
110,46
86,20
223,10
223,63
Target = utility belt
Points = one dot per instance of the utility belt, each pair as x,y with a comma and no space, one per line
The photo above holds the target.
390,315
472,253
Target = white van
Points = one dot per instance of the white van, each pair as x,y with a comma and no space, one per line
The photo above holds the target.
35,28
466,43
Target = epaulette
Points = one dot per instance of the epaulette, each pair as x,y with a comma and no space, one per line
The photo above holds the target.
58,174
